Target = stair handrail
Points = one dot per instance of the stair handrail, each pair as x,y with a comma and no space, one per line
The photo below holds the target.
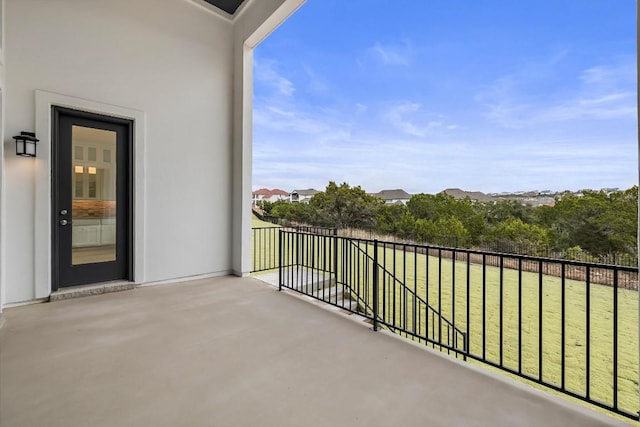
418,297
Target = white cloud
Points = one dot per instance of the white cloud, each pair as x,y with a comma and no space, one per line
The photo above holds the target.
623,71
411,119
265,72
391,54
315,83
361,109
600,92
396,116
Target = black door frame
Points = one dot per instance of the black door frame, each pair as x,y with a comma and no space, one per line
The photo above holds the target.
56,113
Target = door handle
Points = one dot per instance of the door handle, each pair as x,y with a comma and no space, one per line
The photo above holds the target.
64,222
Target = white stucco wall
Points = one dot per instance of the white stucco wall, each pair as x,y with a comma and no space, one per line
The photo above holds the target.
184,73
168,59
2,180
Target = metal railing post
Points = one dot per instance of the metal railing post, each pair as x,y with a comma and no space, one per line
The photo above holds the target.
375,285
335,255
280,255
465,337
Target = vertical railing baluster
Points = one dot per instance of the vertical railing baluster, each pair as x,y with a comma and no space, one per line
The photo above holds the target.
254,262
540,268
426,295
439,296
562,326
415,287
453,289
304,265
375,285
384,283
588,333
280,258
484,306
325,269
394,285
615,339
466,336
519,315
501,306
335,256
404,287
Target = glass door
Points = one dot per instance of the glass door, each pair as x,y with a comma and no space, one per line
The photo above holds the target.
91,203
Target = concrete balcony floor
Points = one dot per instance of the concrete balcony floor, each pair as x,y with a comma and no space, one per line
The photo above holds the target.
235,352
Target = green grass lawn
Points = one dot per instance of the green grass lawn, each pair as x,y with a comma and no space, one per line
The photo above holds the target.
257,223
520,316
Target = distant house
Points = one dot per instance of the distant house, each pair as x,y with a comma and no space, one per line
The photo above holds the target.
267,195
474,196
302,196
393,197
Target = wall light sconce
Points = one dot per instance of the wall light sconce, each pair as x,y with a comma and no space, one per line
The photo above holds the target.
26,144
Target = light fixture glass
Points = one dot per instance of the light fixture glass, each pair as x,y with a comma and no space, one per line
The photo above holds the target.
26,144
79,169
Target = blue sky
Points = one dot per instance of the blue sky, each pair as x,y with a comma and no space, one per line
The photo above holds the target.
487,95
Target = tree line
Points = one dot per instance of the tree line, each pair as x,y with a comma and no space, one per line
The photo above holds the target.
594,223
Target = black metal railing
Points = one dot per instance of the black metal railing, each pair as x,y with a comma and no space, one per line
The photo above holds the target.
567,325
627,259
265,241
264,245
399,307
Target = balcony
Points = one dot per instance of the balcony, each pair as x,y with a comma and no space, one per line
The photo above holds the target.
236,352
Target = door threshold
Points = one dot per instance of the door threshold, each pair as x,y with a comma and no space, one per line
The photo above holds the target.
92,289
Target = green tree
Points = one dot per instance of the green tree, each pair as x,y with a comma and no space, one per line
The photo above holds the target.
430,206
388,221
503,210
519,232
443,209
598,222
295,212
445,231
344,206
406,226
268,206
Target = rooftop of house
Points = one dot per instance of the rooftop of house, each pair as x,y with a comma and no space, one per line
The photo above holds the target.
397,194
307,192
459,194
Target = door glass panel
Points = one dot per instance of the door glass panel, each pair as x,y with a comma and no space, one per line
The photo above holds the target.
93,227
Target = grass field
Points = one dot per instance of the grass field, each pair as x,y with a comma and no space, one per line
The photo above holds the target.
257,223
521,296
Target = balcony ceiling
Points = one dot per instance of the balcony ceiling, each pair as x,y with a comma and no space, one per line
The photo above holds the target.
229,6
